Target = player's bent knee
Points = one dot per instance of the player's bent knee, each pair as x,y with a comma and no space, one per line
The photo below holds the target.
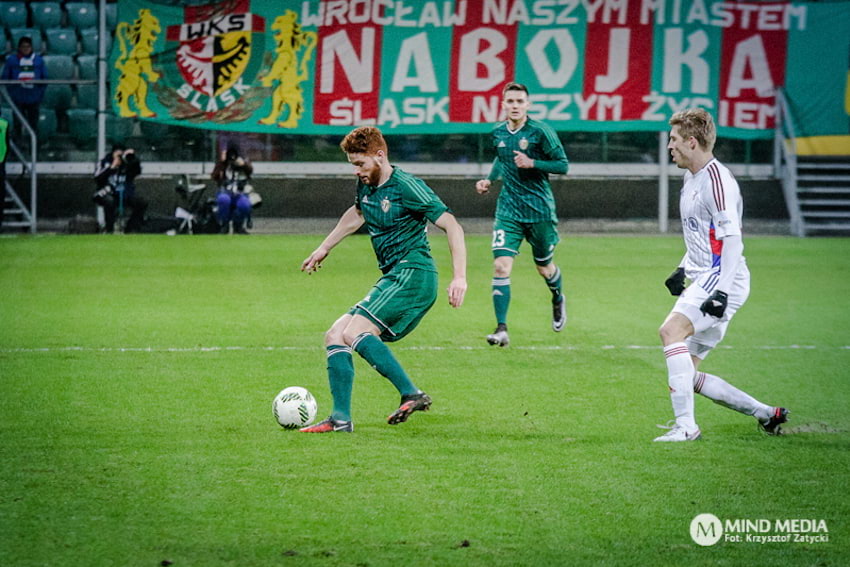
502,266
547,271
670,334
333,337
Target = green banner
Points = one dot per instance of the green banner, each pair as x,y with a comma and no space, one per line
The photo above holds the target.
323,66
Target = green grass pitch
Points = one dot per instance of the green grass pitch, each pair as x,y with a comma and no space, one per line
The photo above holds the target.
137,374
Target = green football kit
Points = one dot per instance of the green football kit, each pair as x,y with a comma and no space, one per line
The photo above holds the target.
525,208
396,215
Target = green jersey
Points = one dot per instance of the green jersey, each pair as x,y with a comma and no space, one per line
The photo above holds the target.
526,195
396,215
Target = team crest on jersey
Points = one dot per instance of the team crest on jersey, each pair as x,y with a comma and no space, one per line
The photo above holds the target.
523,144
693,224
385,205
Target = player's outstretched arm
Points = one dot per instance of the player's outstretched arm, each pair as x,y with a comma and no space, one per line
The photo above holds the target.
457,246
348,223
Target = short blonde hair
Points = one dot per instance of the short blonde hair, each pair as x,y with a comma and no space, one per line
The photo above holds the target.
696,123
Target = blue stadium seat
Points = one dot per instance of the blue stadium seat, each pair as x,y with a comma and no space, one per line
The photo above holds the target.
58,97
82,124
87,96
47,124
33,33
61,41
87,65
82,15
13,14
46,14
88,39
59,66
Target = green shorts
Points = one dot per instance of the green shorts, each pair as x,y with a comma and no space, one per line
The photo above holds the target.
543,237
398,301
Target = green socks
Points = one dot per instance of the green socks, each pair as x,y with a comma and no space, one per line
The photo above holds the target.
554,284
341,378
501,299
377,354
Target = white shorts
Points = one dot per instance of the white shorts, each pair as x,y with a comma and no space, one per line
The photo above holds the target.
708,330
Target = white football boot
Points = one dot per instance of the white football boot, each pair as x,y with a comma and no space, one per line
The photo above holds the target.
679,433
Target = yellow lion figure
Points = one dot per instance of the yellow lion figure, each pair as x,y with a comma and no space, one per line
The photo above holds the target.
287,71
135,62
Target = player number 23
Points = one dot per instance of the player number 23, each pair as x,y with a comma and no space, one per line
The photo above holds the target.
498,238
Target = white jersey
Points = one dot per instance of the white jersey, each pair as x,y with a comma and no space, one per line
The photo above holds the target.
711,209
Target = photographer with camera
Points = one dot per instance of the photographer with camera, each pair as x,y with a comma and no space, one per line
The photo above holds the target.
232,174
116,189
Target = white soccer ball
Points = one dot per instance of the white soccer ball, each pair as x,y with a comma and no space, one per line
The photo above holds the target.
294,407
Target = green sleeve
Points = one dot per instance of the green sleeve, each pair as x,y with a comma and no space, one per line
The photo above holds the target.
495,170
421,198
556,161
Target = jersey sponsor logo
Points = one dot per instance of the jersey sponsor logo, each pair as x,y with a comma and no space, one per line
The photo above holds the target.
502,144
693,224
365,199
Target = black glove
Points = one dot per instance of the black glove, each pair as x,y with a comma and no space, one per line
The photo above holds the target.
676,282
715,305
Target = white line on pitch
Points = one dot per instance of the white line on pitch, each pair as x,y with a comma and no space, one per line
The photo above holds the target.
422,348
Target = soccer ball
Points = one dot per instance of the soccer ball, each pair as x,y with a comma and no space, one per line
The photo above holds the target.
294,407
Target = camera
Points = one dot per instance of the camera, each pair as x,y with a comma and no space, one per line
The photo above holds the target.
129,157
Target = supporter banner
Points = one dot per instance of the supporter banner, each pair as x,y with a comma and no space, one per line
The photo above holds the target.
323,66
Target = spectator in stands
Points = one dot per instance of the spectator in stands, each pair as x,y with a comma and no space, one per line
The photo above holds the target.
116,188
232,174
25,66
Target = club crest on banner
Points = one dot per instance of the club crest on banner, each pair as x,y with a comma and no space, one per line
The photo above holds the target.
217,50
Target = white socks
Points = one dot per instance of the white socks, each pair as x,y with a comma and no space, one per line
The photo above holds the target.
680,378
721,392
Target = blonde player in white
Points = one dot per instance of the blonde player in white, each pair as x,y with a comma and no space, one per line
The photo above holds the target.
711,208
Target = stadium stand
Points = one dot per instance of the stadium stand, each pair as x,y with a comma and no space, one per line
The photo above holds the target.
87,96
47,124
13,15
59,67
82,125
81,15
88,39
46,14
61,41
87,65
